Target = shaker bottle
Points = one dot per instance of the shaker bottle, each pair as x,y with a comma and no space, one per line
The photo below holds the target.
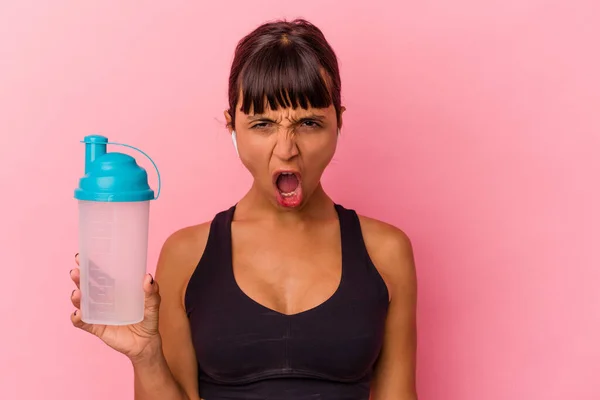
114,202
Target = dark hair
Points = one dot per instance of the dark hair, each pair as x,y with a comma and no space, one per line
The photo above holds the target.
284,64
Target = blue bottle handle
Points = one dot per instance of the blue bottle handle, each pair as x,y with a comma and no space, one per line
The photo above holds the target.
147,156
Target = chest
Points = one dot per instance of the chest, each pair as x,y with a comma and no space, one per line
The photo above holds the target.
339,341
303,304
288,272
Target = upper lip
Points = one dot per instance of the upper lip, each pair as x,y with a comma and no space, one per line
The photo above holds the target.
280,171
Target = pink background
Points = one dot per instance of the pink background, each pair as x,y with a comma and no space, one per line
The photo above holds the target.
473,125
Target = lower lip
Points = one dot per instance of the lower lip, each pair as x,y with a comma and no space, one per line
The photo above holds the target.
291,201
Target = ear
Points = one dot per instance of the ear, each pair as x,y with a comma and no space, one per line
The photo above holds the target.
229,120
341,119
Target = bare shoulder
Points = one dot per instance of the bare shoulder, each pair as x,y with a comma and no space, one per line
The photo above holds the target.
179,256
391,251
185,242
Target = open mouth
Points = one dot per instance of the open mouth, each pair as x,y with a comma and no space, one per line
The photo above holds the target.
287,183
289,190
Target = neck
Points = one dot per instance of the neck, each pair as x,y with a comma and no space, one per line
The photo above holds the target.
255,205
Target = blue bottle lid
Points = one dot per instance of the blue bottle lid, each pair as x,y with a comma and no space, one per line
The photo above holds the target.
113,176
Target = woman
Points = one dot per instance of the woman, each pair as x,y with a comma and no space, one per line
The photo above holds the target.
286,294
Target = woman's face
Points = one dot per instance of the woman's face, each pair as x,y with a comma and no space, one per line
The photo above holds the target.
286,150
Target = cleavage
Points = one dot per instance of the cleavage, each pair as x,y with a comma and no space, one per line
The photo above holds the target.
287,272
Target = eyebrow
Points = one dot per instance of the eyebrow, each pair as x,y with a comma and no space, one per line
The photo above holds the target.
262,117
258,117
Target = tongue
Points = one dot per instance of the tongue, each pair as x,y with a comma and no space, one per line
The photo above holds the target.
287,183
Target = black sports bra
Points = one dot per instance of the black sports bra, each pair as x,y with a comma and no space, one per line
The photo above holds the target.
248,351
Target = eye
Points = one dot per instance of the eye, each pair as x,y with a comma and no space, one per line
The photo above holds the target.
309,123
260,125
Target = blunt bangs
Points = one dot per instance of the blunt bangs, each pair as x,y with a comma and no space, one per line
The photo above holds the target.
281,77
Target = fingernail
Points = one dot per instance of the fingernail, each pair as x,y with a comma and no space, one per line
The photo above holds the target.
70,272
73,292
75,313
151,280
76,254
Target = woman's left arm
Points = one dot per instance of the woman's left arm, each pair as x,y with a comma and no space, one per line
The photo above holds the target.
395,372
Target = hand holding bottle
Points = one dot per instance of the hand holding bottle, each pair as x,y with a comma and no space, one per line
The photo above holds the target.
136,341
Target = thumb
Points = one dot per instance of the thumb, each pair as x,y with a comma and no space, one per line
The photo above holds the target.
151,305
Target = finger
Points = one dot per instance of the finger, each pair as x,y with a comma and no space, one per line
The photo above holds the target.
91,328
151,304
75,277
76,298
152,298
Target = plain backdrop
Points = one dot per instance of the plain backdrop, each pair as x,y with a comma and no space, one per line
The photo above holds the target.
472,125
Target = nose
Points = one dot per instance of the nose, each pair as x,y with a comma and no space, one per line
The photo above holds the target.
286,147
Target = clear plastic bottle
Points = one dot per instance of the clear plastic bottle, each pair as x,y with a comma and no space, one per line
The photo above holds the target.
114,203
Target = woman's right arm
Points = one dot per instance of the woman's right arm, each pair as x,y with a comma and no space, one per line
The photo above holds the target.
168,370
